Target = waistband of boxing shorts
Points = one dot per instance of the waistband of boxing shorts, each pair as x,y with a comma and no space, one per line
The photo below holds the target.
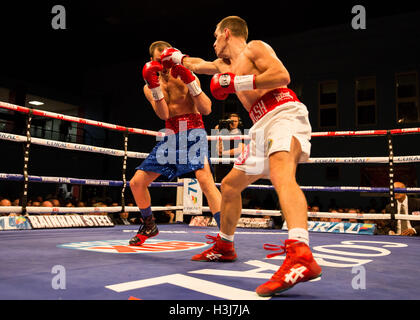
269,101
184,122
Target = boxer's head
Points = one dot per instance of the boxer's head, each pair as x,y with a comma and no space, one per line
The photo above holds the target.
232,26
156,48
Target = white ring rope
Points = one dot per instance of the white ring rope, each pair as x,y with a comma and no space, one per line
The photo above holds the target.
360,216
256,212
80,210
72,146
42,113
141,155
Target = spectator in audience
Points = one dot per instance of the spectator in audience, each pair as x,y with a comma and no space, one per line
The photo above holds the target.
166,216
352,211
372,221
46,204
382,226
5,203
313,209
99,204
120,218
55,203
80,204
404,205
69,204
316,202
334,219
133,217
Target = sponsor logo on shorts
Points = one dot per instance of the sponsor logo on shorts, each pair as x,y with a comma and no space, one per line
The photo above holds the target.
281,96
269,144
122,246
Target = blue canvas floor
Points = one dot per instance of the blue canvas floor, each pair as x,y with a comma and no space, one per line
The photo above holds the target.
97,264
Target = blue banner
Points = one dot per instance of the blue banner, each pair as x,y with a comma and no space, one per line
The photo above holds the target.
14,223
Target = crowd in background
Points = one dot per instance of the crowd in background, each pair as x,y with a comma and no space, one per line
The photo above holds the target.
167,216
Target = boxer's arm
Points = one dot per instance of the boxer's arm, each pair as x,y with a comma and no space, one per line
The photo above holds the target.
172,56
202,101
273,72
160,107
201,66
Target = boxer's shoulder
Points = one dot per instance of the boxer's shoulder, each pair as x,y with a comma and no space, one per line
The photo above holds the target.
222,64
256,46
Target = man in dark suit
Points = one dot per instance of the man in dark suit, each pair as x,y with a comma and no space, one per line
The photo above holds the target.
403,205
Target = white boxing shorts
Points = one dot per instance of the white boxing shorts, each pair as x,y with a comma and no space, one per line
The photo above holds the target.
278,116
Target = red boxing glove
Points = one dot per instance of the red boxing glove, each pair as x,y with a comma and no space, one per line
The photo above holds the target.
187,77
182,72
151,76
223,84
171,56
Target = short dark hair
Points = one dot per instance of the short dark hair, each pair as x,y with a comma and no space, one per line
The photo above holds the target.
236,25
158,45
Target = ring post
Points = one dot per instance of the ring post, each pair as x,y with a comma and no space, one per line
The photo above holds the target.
391,174
26,162
124,169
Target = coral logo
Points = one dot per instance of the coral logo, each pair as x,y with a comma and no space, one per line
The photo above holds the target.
122,246
20,220
194,199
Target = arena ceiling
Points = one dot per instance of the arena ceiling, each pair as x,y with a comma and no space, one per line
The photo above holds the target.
103,32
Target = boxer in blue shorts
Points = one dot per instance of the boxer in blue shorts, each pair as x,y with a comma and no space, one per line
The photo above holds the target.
176,97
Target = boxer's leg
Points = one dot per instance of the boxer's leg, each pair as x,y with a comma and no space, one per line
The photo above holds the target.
232,186
299,265
292,200
212,193
139,188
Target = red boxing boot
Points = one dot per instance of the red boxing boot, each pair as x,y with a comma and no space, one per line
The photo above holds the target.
299,266
222,251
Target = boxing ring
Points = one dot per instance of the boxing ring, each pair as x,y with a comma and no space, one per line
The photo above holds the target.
88,258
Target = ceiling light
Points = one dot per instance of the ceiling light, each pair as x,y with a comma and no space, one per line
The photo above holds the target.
36,103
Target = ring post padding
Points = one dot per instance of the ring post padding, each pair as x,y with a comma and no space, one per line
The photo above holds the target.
179,217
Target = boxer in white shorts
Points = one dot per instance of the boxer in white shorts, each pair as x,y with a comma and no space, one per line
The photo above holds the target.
280,139
273,131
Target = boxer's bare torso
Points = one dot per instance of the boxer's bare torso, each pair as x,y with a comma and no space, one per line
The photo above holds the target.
176,95
254,58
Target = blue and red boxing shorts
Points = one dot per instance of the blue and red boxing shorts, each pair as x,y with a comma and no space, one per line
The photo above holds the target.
184,148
